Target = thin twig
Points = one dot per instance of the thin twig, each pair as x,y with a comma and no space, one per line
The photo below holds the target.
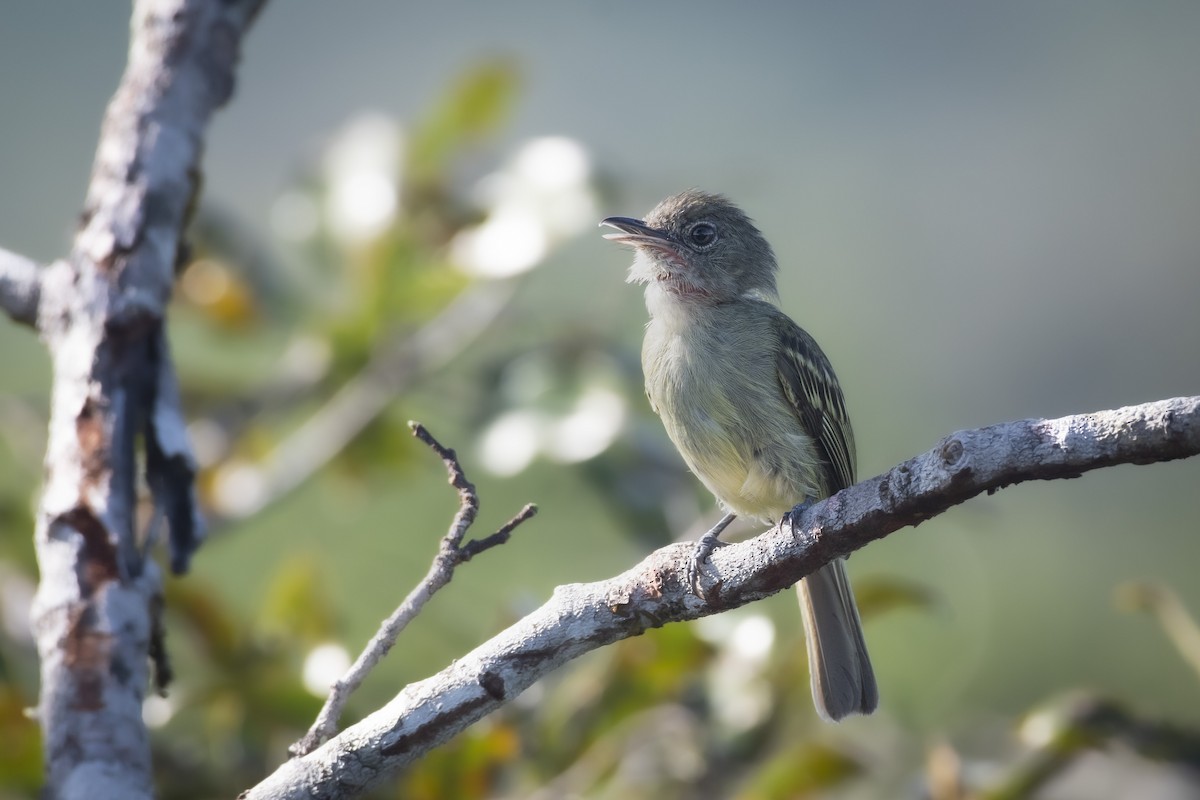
580,618
477,546
451,553
468,500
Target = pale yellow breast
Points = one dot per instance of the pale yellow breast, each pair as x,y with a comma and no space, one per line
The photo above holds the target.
721,405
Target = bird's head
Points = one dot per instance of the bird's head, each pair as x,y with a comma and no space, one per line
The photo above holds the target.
699,246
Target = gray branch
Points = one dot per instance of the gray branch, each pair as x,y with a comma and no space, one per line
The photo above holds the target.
100,312
580,618
20,287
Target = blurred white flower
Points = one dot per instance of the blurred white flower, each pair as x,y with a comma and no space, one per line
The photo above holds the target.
158,710
588,429
362,167
209,441
206,281
16,600
554,173
1039,729
553,163
323,665
741,694
541,196
747,636
306,358
511,442
239,489
510,241
565,412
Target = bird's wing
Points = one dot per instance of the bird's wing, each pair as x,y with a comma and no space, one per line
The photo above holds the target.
812,390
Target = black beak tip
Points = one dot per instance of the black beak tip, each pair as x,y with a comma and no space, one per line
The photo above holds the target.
628,225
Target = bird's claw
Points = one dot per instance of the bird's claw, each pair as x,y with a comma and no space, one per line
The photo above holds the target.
792,518
704,548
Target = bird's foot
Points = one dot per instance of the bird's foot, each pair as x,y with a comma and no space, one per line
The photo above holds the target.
704,547
792,518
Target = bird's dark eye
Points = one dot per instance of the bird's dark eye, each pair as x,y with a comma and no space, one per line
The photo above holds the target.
702,234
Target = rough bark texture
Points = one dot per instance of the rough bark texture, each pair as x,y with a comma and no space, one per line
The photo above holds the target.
583,617
100,313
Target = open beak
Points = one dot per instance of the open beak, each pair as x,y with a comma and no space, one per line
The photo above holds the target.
637,233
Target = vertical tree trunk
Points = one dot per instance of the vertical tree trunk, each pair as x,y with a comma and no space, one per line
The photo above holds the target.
115,416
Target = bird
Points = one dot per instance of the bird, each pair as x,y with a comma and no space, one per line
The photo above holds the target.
752,404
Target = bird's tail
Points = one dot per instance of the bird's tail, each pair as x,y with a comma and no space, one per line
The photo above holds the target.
843,682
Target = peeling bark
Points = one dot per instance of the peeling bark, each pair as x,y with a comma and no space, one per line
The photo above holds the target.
101,313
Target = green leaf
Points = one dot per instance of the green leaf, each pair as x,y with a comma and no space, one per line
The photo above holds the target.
878,594
212,623
21,755
477,103
801,770
297,603
469,766
663,665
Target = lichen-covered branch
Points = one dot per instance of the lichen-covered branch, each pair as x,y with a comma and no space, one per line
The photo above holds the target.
100,312
582,617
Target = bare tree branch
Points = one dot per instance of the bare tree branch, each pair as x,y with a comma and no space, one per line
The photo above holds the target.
579,618
100,313
451,553
20,287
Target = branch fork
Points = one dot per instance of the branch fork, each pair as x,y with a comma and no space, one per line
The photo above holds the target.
451,553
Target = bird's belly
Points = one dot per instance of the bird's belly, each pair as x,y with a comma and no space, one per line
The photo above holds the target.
755,466
762,483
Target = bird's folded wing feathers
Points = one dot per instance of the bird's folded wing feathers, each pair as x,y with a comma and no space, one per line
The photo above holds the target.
813,392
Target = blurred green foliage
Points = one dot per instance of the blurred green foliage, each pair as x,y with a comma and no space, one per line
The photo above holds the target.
264,349
472,109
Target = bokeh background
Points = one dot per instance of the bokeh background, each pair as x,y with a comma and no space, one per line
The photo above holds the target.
983,211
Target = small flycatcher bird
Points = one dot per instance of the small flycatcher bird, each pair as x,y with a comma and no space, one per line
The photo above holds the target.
751,403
